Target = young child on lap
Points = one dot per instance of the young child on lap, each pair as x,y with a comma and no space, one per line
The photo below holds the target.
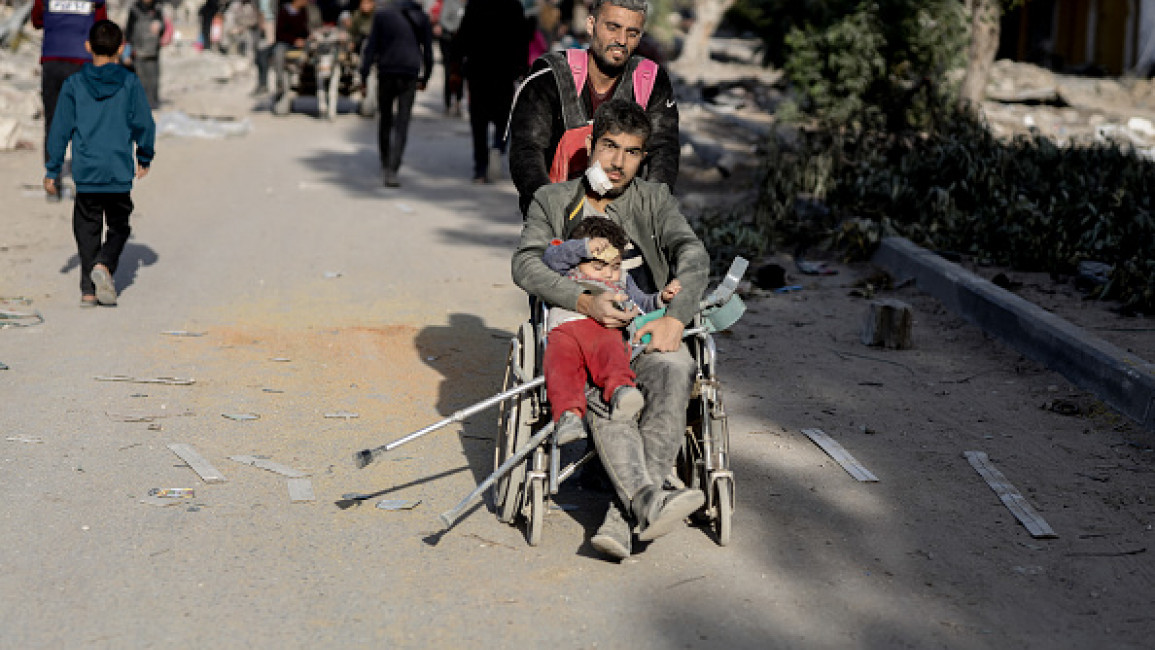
579,347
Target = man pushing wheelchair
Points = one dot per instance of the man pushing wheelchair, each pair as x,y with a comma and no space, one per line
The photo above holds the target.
637,454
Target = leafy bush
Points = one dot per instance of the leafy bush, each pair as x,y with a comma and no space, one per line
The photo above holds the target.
1027,203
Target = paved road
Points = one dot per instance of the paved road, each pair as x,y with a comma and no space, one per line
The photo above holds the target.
316,292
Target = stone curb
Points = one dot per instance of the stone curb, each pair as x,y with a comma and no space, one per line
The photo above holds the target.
1120,379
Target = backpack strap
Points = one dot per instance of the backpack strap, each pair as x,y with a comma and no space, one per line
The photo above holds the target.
578,61
573,114
644,77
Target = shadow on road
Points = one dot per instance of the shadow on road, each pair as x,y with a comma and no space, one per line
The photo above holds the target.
132,259
471,360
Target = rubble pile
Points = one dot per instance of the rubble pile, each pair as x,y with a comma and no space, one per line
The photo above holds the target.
183,69
1025,99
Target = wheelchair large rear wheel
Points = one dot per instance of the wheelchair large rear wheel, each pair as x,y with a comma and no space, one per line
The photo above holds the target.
515,425
535,518
723,509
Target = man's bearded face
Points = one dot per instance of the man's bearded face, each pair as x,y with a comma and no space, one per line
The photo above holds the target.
614,35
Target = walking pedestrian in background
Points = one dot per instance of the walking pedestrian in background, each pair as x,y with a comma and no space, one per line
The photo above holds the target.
400,44
446,16
62,53
492,46
145,31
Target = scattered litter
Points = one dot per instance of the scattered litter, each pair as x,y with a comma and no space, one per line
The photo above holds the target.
1028,570
281,359
488,542
202,467
160,502
1134,551
269,465
397,504
10,318
789,289
1062,407
181,124
839,454
241,417
182,333
154,427
271,390
342,415
332,275
26,439
4,366
143,417
172,493
300,490
1009,495
139,395
814,268
356,496
170,381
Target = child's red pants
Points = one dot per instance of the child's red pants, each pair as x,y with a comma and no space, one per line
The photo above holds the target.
583,348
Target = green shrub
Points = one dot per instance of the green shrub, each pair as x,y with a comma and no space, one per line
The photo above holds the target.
1027,204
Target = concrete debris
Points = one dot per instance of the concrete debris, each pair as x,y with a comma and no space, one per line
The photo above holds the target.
179,124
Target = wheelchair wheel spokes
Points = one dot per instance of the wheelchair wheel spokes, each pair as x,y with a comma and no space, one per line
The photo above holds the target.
515,425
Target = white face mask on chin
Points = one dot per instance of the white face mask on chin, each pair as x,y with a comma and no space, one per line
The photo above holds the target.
598,180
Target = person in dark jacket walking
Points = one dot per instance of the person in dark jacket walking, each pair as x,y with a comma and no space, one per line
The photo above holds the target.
62,53
144,31
102,111
492,46
400,44
536,124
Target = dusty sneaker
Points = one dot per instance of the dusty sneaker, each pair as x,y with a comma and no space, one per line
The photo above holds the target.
105,289
570,427
626,403
613,537
663,510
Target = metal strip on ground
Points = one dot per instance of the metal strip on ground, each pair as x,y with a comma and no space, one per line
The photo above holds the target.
1009,495
301,490
204,468
839,454
269,465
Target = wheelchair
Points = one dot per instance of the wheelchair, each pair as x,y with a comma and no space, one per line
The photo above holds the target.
527,456
522,488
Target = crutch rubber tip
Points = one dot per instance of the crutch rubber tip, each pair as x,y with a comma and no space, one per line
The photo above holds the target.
362,458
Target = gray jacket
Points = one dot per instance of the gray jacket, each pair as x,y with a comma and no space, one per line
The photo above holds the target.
650,216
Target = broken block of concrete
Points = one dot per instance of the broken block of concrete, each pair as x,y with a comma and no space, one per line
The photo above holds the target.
889,323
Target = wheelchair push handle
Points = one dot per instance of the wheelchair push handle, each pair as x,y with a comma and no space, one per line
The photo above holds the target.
726,288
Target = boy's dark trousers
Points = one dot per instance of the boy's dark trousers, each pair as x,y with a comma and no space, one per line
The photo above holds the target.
91,212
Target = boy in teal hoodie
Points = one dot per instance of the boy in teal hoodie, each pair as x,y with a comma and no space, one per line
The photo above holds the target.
102,111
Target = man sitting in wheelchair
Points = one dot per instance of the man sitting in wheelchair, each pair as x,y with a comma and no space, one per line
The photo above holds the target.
637,455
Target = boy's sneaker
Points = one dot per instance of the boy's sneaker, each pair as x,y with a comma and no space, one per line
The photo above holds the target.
105,289
569,428
87,302
626,403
